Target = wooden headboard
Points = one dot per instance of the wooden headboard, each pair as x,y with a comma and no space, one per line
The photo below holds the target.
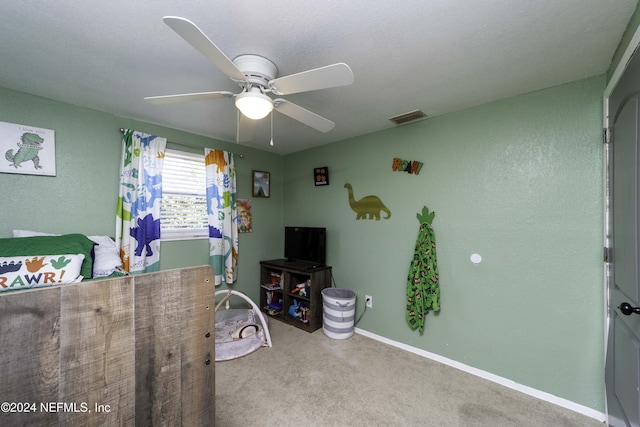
135,350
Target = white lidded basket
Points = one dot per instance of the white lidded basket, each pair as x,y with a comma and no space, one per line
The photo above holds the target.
338,313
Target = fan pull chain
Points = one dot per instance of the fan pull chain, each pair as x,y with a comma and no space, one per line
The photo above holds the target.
271,142
237,126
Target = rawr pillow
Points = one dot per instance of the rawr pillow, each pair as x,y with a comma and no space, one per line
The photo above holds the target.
51,245
106,258
28,271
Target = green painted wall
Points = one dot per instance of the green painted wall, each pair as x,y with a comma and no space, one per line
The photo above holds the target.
82,197
517,181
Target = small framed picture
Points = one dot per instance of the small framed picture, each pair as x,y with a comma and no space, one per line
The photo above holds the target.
244,215
321,176
261,184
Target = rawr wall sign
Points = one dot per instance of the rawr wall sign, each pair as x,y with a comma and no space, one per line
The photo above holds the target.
409,166
27,149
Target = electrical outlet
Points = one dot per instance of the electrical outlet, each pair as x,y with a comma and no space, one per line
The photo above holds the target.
369,301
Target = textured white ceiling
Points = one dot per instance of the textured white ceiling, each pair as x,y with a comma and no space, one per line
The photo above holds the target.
435,55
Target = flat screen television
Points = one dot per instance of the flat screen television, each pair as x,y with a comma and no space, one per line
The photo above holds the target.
307,244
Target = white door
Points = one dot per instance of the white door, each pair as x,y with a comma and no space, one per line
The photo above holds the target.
622,372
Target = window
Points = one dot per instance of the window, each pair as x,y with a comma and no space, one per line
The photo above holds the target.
183,213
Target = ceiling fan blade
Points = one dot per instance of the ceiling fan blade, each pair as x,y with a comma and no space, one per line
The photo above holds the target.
169,99
196,38
319,78
246,126
303,115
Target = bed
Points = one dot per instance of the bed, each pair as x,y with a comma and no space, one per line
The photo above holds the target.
109,350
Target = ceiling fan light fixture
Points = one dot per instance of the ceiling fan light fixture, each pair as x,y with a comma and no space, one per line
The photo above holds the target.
254,104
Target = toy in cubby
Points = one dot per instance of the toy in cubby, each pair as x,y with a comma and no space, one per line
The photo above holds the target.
274,304
275,281
302,289
299,311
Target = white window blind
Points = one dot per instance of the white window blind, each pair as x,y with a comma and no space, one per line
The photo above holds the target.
183,213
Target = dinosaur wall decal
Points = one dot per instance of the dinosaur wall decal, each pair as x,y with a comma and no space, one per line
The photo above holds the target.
369,205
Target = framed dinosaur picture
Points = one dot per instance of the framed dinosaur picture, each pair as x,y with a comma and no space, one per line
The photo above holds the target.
27,149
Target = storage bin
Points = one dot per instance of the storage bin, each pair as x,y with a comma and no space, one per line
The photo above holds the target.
338,312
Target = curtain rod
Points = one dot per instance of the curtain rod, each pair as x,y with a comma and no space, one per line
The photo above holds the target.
190,145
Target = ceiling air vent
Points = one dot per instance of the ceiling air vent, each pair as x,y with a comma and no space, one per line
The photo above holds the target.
411,116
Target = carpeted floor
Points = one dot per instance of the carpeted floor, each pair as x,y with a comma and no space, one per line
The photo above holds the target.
311,380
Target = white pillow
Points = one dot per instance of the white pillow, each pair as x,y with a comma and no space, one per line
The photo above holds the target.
106,258
27,233
28,271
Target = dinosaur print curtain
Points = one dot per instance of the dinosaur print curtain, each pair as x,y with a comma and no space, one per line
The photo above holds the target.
222,214
140,195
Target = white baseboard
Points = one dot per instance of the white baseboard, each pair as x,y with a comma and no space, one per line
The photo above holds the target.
581,409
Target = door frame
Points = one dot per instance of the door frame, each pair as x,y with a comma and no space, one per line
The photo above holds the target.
632,47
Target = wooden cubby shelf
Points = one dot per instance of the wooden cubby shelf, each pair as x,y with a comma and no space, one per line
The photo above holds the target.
285,284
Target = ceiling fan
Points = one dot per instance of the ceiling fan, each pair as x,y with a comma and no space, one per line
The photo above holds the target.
257,76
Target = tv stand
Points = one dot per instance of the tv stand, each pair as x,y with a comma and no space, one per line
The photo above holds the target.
285,283
301,265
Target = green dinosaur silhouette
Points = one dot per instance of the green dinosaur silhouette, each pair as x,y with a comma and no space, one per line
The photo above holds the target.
369,205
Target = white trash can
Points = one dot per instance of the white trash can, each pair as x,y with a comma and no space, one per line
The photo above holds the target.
338,312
